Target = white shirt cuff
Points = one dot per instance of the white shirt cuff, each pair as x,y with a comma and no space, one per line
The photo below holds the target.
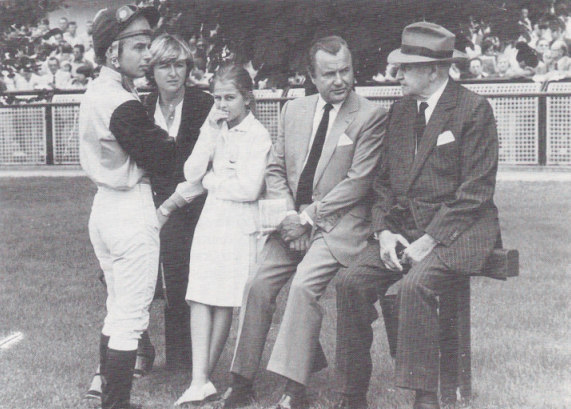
305,219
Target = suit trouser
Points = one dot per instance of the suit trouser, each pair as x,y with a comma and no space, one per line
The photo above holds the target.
358,288
124,231
176,240
297,343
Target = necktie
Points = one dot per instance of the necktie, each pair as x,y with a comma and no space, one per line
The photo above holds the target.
305,185
420,123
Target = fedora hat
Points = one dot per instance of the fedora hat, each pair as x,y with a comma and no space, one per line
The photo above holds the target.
426,42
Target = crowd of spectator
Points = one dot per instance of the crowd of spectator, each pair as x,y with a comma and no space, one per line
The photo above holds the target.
47,58
540,51
58,58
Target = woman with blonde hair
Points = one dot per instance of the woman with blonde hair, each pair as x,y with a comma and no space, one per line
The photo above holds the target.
180,111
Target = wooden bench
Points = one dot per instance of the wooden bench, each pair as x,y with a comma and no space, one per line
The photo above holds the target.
454,320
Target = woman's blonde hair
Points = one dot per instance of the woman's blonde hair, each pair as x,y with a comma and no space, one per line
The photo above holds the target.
168,48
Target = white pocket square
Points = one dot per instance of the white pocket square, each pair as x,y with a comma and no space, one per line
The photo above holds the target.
444,138
344,140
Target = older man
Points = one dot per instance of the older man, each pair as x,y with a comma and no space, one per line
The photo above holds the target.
321,166
120,149
434,192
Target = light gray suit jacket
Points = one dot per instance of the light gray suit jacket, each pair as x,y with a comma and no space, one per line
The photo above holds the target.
342,183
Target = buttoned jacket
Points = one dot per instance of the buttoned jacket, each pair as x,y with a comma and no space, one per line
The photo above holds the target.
448,185
342,182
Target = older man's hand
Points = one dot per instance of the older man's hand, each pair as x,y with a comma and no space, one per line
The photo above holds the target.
388,242
291,228
419,249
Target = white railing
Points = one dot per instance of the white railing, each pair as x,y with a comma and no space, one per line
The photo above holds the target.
534,127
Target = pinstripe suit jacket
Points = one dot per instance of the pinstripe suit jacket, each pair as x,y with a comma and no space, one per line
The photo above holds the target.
449,188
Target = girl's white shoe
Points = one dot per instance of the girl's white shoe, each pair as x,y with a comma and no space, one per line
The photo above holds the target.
196,394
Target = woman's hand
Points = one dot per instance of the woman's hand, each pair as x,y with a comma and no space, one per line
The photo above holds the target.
161,218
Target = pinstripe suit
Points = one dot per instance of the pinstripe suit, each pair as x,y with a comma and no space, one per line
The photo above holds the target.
445,190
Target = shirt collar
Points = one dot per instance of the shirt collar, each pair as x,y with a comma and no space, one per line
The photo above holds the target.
321,103
244,126
433,99
109,74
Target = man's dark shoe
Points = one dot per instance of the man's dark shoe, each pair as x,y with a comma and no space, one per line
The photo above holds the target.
238,398
351,402
292,402
426,400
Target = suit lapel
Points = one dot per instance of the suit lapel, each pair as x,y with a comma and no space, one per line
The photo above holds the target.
344,118
186,114
405,141
303,129
435,126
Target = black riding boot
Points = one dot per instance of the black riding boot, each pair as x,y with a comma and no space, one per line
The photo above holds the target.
118,379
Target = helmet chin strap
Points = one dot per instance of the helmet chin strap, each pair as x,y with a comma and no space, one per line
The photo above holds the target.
113,54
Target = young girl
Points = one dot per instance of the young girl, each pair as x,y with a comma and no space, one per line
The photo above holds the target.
228,161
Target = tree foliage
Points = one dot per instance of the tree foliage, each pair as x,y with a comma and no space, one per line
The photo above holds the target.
24,12
278,33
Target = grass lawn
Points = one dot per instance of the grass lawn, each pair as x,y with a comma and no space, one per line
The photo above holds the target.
49,290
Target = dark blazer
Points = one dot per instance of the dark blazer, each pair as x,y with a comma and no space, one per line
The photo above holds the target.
446,188
195,108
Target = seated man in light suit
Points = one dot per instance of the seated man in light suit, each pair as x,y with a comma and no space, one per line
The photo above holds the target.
433,192
321,165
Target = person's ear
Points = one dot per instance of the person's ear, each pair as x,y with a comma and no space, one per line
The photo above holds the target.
433,75
112,55
310,75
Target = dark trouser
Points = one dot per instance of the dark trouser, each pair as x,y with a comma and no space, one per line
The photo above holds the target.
176,240
358,288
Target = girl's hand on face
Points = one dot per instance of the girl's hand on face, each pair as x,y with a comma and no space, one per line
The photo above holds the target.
217,117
